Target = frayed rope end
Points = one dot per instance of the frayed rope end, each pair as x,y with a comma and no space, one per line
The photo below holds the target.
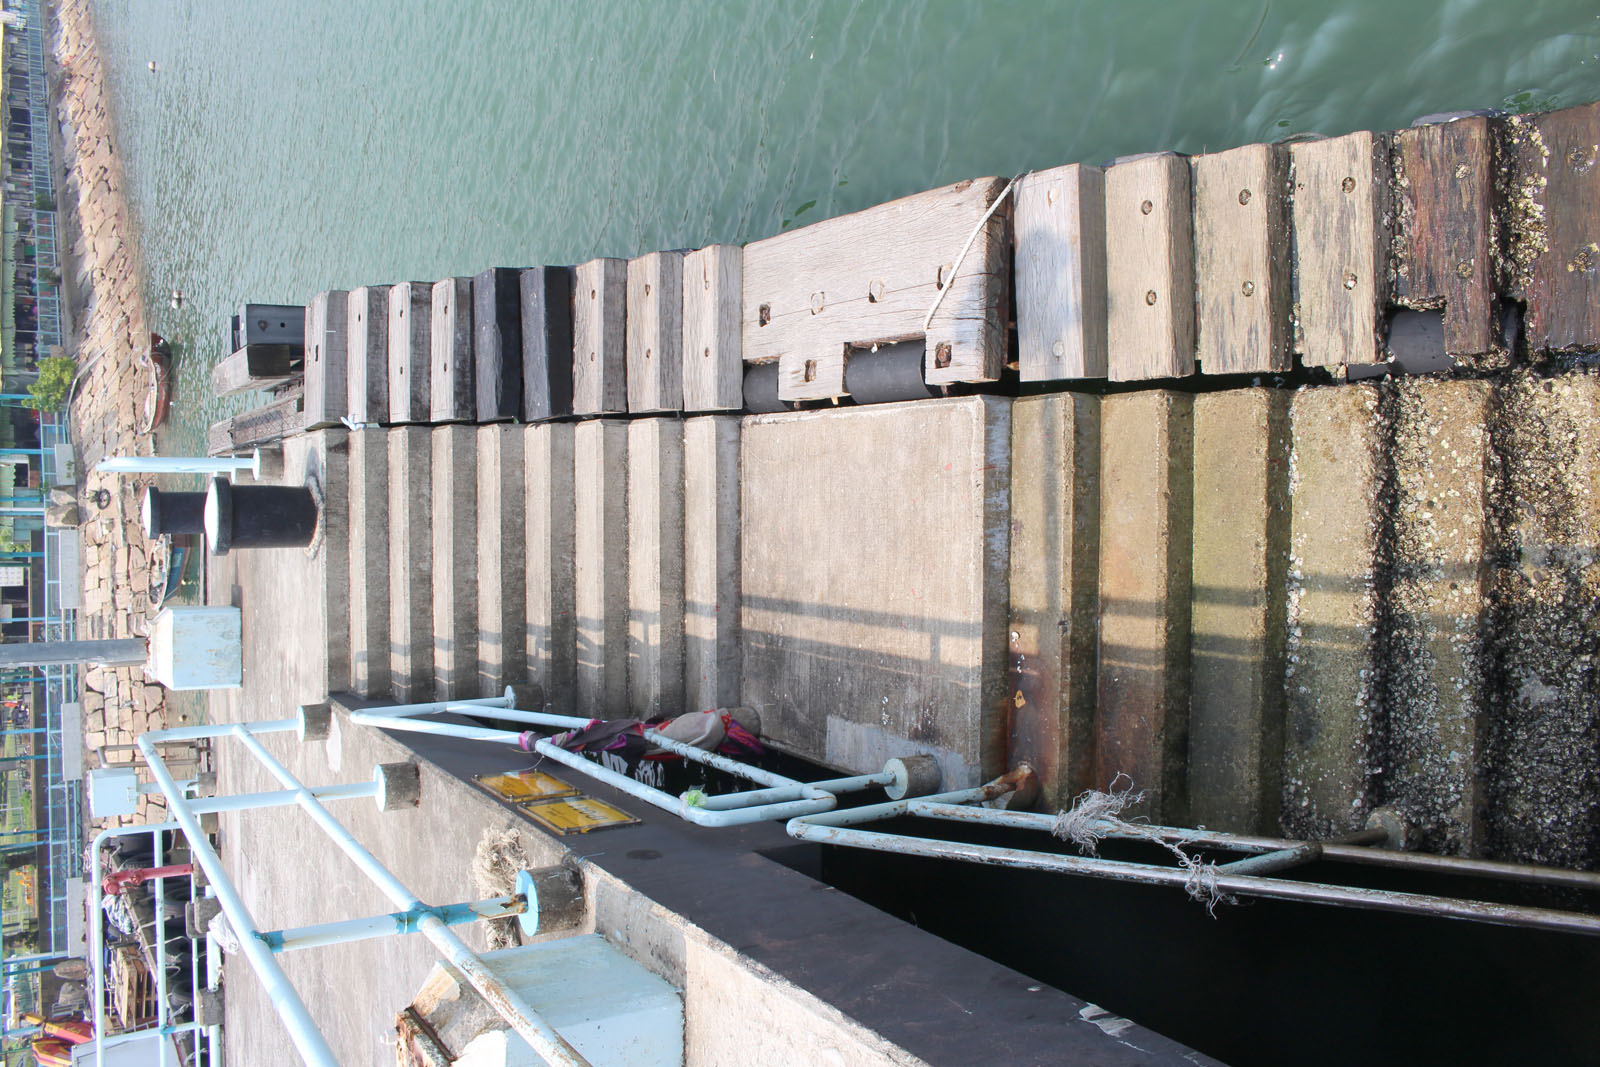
1095,815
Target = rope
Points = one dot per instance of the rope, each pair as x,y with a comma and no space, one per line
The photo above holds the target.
1096,815
928,319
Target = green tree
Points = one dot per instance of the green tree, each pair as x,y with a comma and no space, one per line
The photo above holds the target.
55,378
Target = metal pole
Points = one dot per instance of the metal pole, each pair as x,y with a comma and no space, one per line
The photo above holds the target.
511,1006
399,922
114,653
181,464
313,1047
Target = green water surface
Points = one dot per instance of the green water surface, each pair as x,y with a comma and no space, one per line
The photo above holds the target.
286,146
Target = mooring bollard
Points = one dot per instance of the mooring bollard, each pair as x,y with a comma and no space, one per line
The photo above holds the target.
258,516
172,513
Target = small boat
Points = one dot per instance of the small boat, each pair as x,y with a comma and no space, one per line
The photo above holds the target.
159,360
168,562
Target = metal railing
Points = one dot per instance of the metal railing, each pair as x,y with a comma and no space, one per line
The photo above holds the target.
1255,867
260,947
164,1025
778,798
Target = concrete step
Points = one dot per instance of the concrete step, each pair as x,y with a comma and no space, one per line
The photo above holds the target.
455,559
369,563
410,451
502,557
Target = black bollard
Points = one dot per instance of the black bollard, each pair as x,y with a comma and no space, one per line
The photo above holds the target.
173,513
258,516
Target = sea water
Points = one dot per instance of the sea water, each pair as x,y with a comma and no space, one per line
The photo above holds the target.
286,146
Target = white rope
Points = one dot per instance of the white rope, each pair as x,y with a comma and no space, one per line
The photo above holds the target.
1095,815
937,300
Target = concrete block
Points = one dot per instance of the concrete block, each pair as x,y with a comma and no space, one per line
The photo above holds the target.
455,562
550,570
1054,583
410,563
1331,693
369,563
874,554
600,553
452,394
655,567
711,562
502,557
1146,524
329,459
1236,618
1543,793
1435,662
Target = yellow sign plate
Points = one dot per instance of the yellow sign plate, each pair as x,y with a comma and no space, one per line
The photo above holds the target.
576,815
523,785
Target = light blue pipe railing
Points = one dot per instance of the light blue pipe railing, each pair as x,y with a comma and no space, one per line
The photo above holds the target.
97,958
779,797
260,947
1242,877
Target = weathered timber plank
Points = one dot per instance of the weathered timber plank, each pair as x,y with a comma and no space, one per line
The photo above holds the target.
1149,269
326,362
1241,241
546,343
368,346
410,351
1060,234
713,366
655,332
1444,177
1342,226
599,337
259,426
256,367
812,375
1554,219
870,278
497,342
451,396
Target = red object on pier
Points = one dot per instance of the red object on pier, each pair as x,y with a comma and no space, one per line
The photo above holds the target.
117,881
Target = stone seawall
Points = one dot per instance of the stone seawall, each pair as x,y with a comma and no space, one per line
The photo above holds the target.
103,283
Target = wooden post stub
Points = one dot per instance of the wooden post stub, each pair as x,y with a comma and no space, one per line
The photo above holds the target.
497,342
1444,181
451,394
1060,235
410,351
1241,241
368,347
546,343
326,362
599,337
1149,268
1554,223
655,332
713,364
1341,246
